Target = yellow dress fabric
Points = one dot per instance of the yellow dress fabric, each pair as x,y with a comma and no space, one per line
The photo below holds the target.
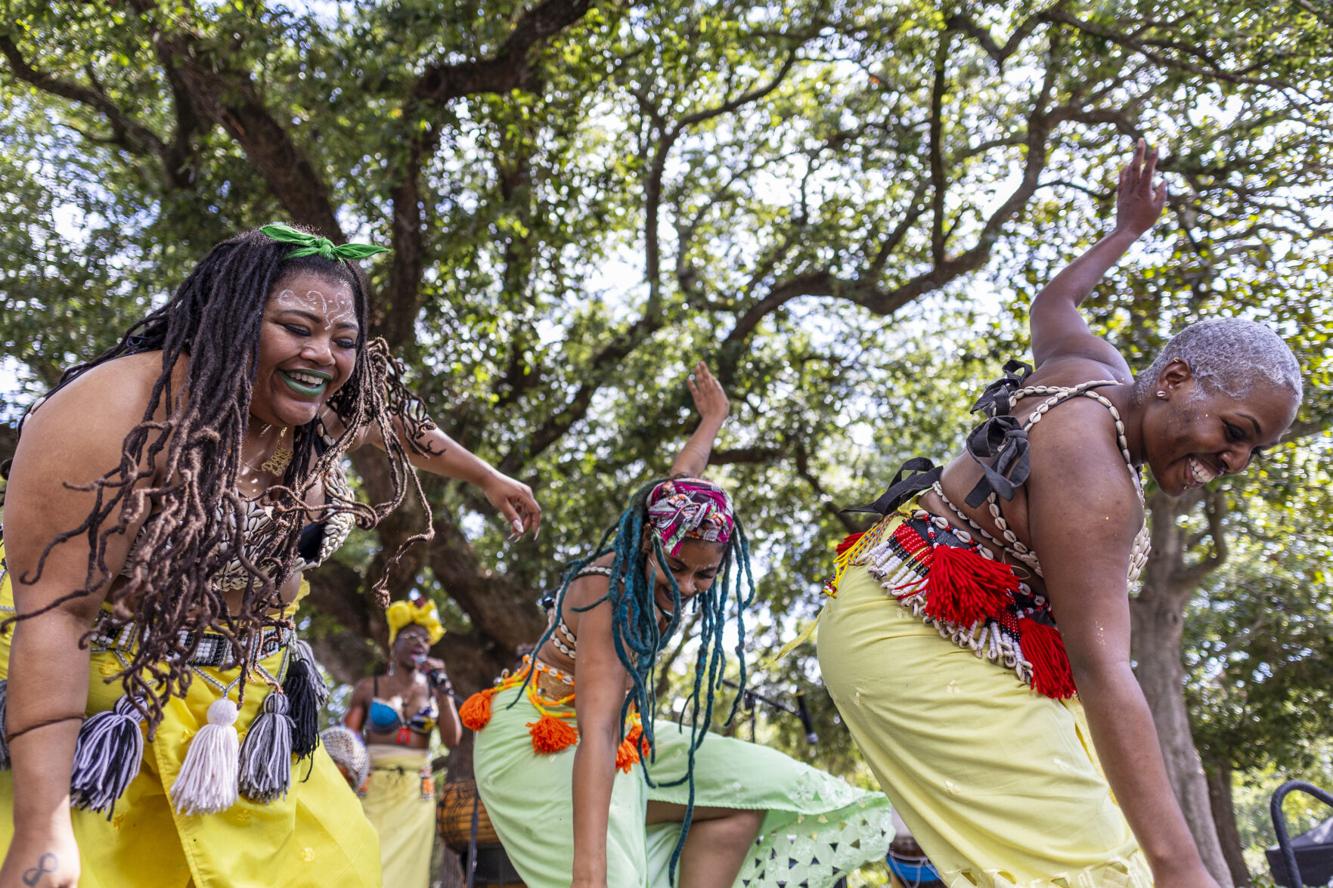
316,836
404,819
1000,785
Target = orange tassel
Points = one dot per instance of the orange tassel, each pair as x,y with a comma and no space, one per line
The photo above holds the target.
640,742
626,756
1043,647
475,713
963,587
551,735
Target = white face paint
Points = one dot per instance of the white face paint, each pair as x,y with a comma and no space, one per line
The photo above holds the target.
334,308
307,349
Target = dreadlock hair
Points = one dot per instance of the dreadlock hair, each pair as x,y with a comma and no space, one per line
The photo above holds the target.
193,519
639,640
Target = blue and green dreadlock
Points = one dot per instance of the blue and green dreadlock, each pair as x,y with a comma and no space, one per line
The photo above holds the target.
639,639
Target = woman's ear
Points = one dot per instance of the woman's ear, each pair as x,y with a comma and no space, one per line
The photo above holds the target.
1174,375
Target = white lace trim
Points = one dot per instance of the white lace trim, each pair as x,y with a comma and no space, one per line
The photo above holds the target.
818,849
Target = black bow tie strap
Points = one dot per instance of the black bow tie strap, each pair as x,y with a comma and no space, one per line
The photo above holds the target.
1004,442
997,399
920,474
1000,444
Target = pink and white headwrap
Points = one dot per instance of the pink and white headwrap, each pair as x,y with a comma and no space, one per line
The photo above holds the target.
690,509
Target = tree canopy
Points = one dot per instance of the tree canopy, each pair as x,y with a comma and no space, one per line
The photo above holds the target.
844,207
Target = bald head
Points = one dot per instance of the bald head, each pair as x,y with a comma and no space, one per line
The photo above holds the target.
1230,357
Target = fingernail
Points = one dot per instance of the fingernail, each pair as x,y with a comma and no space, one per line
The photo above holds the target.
517,525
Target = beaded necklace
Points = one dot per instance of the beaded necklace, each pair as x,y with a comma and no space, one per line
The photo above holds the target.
1010,544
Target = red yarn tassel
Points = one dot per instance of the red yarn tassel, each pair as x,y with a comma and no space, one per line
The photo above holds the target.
849,541
551,734
1043,647
475,713
964,588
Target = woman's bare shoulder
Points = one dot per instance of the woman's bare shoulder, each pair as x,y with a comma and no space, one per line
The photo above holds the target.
120,387
1072,370
587,590
78,432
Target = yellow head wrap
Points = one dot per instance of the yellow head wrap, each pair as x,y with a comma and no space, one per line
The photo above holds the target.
417,611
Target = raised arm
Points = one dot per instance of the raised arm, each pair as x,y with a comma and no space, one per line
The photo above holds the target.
442,455
1058,329
1085,532
74,438
600,679
710,400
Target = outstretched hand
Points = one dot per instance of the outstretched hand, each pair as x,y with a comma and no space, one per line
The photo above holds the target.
1138,200
514,500
710,399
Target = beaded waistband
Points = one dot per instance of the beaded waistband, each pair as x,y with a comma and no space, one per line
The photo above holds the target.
211,649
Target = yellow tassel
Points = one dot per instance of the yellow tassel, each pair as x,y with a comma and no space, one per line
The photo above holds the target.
806,634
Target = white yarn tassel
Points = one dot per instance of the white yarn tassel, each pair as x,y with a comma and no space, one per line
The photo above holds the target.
207,782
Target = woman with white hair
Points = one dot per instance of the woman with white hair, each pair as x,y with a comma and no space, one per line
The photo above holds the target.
979,634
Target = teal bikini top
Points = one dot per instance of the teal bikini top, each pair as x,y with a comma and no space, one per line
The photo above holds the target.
385,717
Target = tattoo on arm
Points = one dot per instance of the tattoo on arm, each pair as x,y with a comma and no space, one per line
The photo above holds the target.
46,864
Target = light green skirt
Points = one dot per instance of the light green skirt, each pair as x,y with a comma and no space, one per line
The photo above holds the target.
817,829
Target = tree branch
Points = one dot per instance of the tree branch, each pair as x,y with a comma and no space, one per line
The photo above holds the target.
128,132
1147,50
486,596
652,190
511,66
1000,54
755,455
810,478
938,185
1215,508
396,313
576,408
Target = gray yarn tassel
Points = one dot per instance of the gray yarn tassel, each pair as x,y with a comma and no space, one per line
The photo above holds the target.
4,744
107,756
266,754
206,783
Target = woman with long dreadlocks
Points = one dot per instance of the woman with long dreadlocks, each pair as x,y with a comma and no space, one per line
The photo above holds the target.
162,504
555,768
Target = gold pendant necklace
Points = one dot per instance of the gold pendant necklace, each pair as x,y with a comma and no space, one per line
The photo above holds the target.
280,458
277,461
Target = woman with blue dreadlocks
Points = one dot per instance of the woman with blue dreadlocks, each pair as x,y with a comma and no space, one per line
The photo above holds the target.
556,769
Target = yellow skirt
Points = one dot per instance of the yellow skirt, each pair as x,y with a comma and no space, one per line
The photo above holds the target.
399,800
316,836
1000,785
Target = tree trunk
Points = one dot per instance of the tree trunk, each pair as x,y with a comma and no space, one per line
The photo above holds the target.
1224,815
1158,615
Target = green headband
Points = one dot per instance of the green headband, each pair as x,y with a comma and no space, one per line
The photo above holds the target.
311,245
